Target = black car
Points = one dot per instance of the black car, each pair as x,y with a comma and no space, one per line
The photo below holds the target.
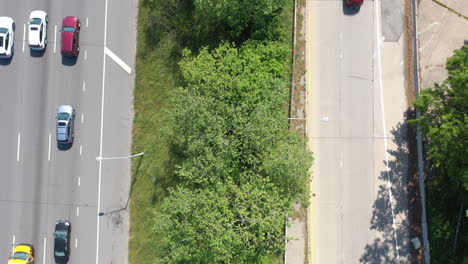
62,241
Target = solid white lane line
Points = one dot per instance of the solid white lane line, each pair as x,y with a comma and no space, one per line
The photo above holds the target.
18,149
86,21
76,242
55,38
85,54
24,35
50,138
79,181
120,62
84,86
77,211
379,65
81,149
44,254
82,118
101,136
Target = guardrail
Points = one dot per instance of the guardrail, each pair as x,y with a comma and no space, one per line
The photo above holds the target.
422,188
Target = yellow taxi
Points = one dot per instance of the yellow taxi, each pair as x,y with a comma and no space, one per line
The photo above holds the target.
23,254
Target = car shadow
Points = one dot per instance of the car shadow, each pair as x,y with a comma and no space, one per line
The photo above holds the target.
349,11
37,53
69,61
64,147
6,61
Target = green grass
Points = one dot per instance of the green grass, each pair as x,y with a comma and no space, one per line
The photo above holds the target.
156,78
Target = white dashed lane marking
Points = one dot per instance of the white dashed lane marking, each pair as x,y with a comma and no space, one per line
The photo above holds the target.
55,38
18,149
24,35
50,139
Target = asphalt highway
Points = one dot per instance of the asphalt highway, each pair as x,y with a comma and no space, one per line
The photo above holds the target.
41,182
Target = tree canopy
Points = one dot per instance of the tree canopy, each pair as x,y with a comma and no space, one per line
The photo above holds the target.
241,166
444,125
444,120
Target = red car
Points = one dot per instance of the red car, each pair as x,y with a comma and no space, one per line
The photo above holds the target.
70,36
354,3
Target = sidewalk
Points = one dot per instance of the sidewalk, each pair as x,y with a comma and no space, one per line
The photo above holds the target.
440,32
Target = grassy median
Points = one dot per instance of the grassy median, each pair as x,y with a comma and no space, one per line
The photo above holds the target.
157,76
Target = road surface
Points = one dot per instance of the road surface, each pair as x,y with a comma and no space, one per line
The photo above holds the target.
41,183
356,105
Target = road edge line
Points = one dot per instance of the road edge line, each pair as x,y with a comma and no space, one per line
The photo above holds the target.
102,129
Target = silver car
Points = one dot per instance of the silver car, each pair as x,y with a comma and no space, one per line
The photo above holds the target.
65,124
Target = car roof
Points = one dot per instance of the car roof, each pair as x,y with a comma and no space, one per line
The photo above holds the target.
67,41
59,242
34,38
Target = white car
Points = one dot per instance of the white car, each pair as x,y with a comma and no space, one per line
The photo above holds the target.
7,37
38,30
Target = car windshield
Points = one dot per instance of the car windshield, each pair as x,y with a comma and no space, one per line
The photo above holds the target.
21,255
59,253
35,21
63,116
60,233
3,30
68,29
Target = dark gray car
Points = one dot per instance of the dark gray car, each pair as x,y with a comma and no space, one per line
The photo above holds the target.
65,124
62,241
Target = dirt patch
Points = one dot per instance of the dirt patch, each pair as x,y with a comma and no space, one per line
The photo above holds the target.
298,85
414,199
410,90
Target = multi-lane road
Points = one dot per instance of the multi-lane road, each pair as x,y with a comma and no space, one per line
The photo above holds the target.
40,183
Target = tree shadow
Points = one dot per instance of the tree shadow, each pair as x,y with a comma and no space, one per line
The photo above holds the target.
396,214
166,177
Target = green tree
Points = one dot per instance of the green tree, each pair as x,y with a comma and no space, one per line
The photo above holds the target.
444,112
198,23
243,19
444,125
227,224
241,166
230,119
